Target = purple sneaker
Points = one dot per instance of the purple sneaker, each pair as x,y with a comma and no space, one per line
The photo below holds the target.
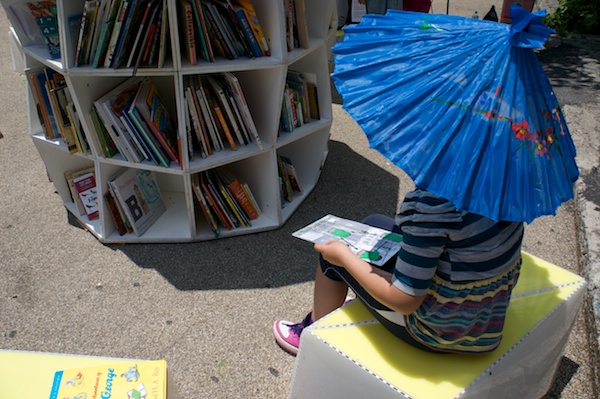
287,334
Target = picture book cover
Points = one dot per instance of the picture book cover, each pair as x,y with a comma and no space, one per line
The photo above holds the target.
135,380
139,196
369,243
88,194
44,13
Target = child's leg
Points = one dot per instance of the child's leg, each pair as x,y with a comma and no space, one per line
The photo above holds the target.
328,295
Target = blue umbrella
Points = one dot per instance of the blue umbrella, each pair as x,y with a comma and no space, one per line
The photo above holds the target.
463,106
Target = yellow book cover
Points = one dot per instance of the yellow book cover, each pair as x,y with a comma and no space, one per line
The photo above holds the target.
134,380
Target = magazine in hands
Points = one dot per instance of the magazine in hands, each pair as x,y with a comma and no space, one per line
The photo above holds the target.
369,243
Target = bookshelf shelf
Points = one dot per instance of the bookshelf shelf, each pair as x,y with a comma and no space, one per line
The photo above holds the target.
263,81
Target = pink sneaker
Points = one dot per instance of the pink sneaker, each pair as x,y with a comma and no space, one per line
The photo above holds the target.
287,334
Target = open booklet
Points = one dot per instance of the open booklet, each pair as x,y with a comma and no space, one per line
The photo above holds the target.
372,244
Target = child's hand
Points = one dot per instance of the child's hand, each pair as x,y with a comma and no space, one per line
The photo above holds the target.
335,252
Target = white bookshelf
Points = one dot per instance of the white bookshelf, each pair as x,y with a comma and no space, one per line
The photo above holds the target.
263,81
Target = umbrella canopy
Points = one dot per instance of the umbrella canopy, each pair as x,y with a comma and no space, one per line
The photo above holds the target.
463,106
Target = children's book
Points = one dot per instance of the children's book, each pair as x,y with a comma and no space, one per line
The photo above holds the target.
186,26
88,194
44,13
235,89
139,196
369,243
134,380
153,110
73,174
252,18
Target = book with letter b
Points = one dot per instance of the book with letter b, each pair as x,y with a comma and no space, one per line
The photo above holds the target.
369,243
138,195
134,380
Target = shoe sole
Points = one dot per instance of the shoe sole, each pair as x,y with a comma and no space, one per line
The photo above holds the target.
282,344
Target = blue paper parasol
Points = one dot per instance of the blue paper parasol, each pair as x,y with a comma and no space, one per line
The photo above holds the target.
463,106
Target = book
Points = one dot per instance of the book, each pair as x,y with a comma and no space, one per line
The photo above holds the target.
88,194
111,203
140,53
73,174
313,95
100,17
196,121
138,379
117,106
106,30
116,32
298,83
122,216
288,10
240,15
232,207
291,173
108,147
207,115
301,23
131,25
58,94
37,85
254,22
81,142
152,109
205,207
239,192
235,88
219,40
369,243
186,18
164,35
112,123
90,8
142,28
214,201
286,184
138,193
202,32
218,116
234,27
45,15
152,41
145,131
225,106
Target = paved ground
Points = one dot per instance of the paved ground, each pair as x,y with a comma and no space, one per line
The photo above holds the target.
208,307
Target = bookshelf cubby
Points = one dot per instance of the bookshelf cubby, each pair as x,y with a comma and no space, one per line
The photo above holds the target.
262,79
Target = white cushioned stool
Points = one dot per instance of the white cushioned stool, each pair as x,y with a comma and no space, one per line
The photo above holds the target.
348,354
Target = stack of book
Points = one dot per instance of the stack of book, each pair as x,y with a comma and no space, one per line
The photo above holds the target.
225,200
295,24
138,123
300,101
123,34
220,28
218,114
56,110
134,201
288,178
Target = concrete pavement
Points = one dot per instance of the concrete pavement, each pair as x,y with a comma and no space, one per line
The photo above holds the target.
207,308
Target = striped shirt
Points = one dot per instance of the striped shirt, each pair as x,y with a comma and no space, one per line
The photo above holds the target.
465,264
